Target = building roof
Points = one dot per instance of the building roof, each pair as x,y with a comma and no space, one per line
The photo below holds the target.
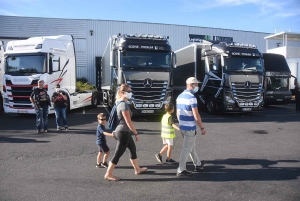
290,36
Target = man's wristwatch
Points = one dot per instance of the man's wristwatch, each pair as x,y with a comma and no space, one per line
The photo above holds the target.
202,128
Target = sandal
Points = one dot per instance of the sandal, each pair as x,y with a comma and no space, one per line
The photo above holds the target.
142,171
113,178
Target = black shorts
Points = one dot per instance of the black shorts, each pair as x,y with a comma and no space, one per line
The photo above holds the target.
103,148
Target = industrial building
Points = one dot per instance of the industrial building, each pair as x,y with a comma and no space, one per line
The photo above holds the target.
91,36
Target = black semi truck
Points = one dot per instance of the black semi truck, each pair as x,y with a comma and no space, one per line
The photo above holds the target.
231,75
143,61
276,80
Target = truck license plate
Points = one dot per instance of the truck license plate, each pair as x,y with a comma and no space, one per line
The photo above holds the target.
279,99
22,111
147,111
246,109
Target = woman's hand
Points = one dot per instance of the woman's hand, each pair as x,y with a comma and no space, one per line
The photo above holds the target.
137,137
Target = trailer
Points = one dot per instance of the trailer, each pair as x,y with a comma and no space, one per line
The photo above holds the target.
143,61
48,58
1,74
231,75
276,80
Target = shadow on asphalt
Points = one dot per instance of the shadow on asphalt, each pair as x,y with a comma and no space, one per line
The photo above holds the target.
220,171
19,140
76,118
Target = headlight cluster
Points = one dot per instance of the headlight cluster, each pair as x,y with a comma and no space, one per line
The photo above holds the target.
249,104
140,105
228,97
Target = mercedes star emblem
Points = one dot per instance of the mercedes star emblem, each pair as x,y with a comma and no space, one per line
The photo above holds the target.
247,85
147,83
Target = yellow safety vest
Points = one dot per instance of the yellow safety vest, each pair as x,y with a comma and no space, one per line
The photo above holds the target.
167,131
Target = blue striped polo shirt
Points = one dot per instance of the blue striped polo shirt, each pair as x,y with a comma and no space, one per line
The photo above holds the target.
184,103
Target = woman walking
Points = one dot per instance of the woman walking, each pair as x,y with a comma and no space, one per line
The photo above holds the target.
122,134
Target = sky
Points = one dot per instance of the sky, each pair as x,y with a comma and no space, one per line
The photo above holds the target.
268,16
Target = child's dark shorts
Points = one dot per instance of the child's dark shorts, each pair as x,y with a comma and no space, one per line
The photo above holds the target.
103,148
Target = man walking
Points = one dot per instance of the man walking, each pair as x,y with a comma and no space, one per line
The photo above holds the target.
188,116
59,98
41,101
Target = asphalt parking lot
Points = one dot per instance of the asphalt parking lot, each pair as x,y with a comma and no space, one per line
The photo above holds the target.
248,157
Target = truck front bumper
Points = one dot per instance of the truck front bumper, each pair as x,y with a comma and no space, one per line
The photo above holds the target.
9,109
235,107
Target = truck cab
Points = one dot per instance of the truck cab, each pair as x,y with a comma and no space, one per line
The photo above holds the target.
143,61
276,80
231,75
49,58
233,78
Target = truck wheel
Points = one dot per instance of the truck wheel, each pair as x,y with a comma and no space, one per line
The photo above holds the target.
210,105
104,97
68,104
95,99
111,101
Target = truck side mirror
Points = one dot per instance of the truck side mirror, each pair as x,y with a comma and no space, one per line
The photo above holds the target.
174,59
295,81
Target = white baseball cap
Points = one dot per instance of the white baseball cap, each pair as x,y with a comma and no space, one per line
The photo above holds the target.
192,80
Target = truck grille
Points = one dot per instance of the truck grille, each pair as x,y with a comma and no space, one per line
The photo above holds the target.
240,92
20,93
156,92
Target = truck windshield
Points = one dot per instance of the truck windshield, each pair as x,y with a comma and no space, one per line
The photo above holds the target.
243,64
29,64
155,59
277,83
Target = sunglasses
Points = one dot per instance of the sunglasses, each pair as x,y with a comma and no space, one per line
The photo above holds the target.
101,119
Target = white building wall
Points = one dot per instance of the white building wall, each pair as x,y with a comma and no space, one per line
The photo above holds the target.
88,46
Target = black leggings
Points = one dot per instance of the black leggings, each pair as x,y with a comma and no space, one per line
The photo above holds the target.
124,141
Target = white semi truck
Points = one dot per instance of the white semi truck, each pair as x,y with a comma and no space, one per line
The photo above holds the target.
143,61
1,73
50,58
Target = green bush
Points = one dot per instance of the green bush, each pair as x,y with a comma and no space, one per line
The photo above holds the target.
82,85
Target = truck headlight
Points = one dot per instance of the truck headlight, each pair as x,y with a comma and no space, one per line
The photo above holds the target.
228,97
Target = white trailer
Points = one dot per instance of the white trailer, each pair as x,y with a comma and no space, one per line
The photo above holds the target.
1,73
49,58
289,47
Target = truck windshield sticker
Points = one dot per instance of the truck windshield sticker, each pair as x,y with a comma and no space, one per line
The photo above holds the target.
24,45
149,47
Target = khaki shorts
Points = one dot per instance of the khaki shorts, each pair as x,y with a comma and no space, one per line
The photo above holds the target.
168,141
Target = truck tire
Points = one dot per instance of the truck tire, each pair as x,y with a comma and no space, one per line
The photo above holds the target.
104,96
111,101
210,105
68,104
95,99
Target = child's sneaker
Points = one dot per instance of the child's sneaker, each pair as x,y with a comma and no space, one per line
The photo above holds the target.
170,161
158,158
98,166
105,165
66,128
